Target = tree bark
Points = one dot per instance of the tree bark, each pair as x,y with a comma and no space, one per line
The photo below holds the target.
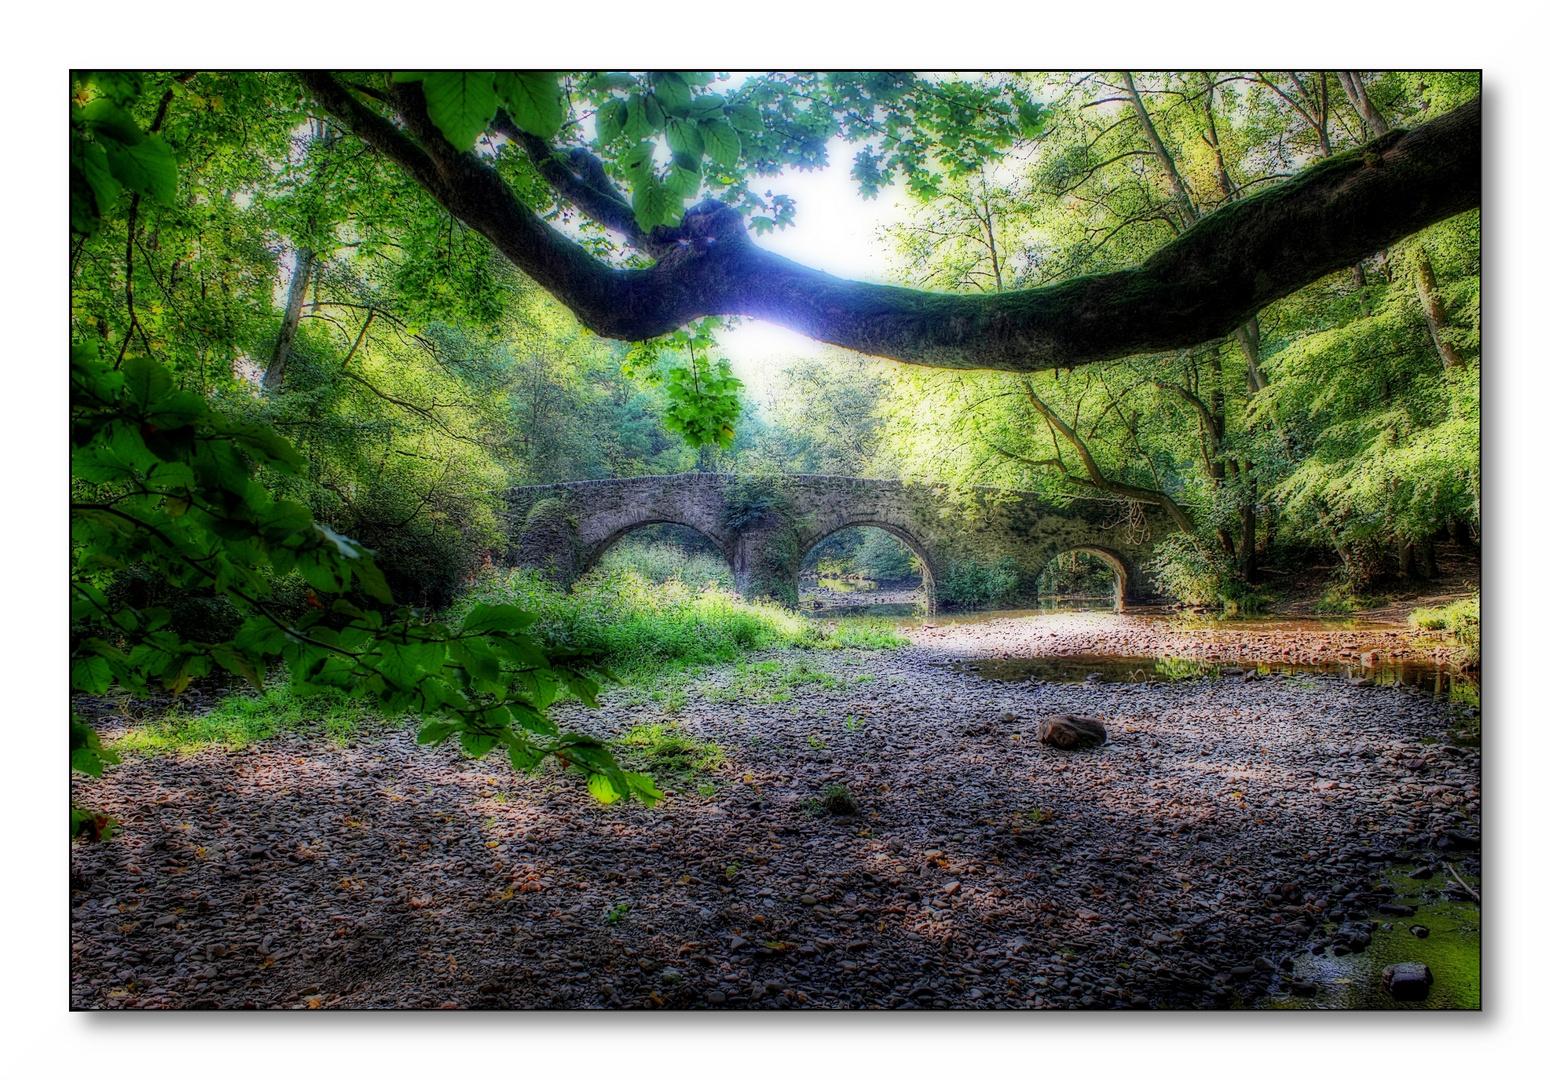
274,374
1193,290
1431,307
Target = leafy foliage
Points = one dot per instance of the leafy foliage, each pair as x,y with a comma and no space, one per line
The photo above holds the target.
163,481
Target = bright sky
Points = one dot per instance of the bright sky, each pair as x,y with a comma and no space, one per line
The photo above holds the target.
836,231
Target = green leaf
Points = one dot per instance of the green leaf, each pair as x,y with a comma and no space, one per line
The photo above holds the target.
91,675
533,100
683,137
643,787
110,120
477,743
722,143
650,202
672,91
603,789
433,732
461,104
238,663
610,119
485,618
147,167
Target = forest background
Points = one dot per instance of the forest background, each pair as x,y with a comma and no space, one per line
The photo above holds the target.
785,440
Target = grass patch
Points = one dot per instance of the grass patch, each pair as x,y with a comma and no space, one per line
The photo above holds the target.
834,799
666,750
245,718
770,682
1460,618
1341,598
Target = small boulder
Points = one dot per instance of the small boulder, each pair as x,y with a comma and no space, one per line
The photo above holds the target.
1069,732
1408,981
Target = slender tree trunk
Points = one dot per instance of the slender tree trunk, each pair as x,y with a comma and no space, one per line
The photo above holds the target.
1429,558
1406,559
1357,93
274,375
1160,152
1431,306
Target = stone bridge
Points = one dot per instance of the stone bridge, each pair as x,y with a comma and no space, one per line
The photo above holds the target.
765,526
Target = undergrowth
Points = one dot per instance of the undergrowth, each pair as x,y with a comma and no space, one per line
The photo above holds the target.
637,627
1460,618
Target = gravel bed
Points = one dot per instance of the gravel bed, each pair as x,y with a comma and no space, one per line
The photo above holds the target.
1070,633
1225,827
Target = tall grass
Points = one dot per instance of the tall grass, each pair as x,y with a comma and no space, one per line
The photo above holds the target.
637,625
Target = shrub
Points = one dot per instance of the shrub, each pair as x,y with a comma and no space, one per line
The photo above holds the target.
1460,618
837,800
974,583
1188,569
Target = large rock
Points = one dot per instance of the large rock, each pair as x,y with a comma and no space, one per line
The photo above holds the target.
1069,732
1407,982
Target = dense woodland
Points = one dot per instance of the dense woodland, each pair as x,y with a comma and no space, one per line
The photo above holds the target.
307,359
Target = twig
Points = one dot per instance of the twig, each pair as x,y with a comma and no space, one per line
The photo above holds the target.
1460,880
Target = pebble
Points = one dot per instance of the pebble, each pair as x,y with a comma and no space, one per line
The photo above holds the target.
1137,868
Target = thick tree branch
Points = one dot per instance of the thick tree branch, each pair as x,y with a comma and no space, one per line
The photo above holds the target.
1196,289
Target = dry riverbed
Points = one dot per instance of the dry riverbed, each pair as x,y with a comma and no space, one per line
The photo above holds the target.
1229,834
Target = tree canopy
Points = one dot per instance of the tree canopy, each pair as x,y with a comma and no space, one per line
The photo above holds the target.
667,136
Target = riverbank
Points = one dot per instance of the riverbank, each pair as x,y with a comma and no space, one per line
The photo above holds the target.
1227,830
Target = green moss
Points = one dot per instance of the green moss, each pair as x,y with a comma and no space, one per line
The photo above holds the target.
1451,950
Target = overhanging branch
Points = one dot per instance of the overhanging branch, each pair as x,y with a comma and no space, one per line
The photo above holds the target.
1198,288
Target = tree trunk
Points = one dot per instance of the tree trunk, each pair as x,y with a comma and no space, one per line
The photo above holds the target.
1431,306
1429,559
1371,117
1406,559
1227,545
274,375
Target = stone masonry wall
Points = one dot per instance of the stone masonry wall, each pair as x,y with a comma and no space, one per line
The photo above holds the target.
565,528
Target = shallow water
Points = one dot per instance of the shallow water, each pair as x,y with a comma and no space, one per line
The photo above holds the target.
1355,981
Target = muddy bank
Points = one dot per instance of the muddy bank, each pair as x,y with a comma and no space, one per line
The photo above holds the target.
1225,832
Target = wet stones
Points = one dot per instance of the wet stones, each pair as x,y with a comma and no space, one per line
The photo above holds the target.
1408,981
1070,732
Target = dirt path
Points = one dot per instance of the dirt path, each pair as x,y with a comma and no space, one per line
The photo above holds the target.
1225,827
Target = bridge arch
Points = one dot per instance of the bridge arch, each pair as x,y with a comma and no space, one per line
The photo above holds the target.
594,553
563,529
928,564
1123,577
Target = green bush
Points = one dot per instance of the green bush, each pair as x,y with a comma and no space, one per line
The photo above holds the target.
1460,618
974,583
660,563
